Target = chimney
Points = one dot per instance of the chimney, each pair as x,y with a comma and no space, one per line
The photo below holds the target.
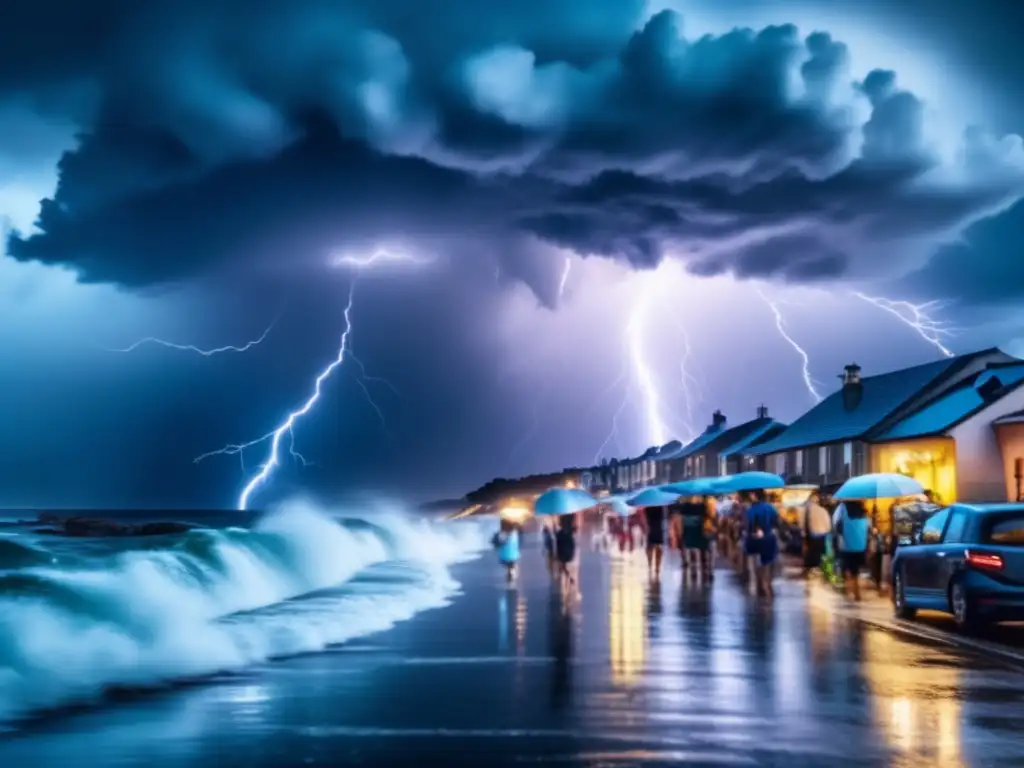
853,387
717,420
762,411
851,374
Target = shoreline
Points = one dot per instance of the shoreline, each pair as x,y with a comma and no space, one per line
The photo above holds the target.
632,673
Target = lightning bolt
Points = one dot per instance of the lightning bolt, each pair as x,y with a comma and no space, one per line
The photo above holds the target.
378,258
651,403
613,434
153,340
286,427
565,277
688,383
916,317
645,380
780,324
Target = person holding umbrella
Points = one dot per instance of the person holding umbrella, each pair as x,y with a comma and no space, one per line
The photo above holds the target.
652,504
760,524
853,524
565,504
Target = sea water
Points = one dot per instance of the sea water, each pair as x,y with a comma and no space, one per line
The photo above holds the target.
79,617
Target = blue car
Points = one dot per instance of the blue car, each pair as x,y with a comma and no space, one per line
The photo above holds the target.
968,561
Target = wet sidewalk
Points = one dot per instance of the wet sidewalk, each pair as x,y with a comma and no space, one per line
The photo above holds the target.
1004,642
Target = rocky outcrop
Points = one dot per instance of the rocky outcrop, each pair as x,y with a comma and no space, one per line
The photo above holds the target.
94,527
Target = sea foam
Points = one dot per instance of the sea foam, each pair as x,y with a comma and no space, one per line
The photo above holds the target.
211,600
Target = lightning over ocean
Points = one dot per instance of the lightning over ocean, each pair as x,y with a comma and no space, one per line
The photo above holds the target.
286,427
362,346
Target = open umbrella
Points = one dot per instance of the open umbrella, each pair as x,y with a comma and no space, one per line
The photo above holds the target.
751,481
618,505
878,485
563,501
653,497
697,486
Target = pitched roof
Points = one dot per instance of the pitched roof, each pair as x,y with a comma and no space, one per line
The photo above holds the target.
829,421
950,409
767,430
1011,418
717,438
696,444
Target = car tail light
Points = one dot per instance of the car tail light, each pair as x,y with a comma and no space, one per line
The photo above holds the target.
985,560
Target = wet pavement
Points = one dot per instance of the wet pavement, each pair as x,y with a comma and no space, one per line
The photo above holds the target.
631,675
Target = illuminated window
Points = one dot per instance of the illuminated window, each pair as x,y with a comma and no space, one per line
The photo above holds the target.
848,454
722,466
798,463
823,466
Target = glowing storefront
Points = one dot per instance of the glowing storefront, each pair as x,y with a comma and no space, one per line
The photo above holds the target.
953,444
931,461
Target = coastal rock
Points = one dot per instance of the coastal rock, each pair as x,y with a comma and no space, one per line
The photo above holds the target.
92,527
160,528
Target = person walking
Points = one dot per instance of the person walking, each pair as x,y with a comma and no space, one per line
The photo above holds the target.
506,541
694,541
815,525
566,551
547,532
853,527
762,543
654,529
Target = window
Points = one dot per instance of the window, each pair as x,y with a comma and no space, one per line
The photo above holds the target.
823,466
722,462
955,530
1007,531
780,464
848,454
798,463
931,533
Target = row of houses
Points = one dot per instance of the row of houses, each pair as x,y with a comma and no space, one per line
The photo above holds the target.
955,425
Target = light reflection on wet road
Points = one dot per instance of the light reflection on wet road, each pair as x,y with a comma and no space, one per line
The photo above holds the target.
629,676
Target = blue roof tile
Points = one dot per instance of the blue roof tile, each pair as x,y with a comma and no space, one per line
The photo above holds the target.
752,438
952,408
711,433
830,421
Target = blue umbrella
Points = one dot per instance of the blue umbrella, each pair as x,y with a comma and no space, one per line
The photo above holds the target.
697,486
618,505
751,481
880,485
563,501
653,497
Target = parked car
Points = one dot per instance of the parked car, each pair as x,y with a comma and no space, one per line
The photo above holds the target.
968,561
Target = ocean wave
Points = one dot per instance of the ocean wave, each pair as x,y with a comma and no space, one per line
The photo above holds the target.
209,600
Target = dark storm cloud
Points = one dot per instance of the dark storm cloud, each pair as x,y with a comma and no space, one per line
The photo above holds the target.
226,132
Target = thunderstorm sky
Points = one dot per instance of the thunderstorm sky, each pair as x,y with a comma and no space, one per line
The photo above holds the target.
567,229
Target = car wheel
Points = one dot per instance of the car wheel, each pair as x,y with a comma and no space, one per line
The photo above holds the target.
899,597
960,605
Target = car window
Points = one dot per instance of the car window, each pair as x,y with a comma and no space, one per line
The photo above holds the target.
931,533
1007,531
955,530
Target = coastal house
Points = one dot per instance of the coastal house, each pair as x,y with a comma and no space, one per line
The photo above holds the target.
620,475
718,450
934,422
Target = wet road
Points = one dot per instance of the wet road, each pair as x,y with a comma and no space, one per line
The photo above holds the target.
629,676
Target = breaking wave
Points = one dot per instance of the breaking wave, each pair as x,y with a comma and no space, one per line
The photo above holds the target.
212,600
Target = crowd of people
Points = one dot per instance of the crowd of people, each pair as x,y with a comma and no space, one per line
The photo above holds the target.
746,529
